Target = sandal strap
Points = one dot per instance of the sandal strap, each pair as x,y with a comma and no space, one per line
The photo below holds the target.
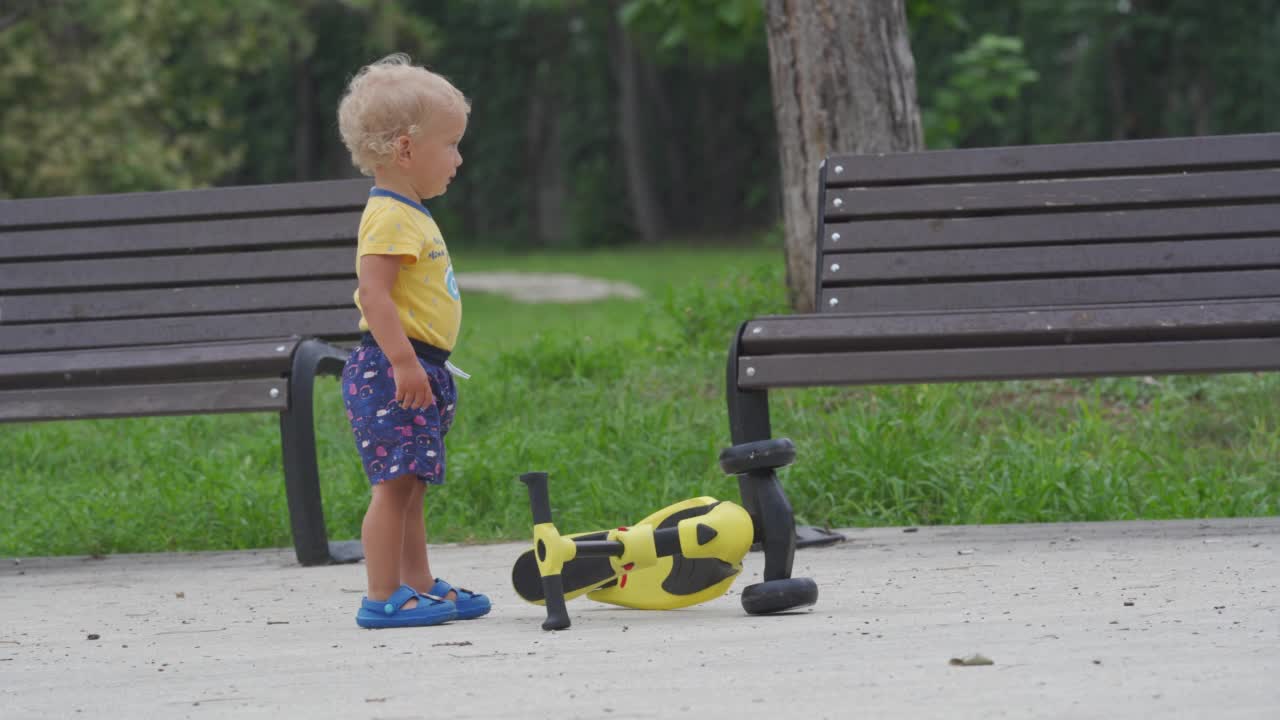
402,595
394,602
443,587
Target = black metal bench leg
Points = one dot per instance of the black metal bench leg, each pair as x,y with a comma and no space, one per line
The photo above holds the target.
301,474
762,494
748,421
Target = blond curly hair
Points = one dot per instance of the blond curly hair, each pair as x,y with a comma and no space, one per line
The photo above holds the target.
390,98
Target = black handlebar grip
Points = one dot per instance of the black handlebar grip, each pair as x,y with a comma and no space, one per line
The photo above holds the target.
539,500
557,613
552,585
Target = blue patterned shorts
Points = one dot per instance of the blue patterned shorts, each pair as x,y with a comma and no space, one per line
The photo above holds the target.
392,440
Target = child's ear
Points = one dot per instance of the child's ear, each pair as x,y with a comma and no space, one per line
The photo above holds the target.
402,149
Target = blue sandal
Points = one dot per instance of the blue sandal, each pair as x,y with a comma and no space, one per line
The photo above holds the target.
470,605
389,613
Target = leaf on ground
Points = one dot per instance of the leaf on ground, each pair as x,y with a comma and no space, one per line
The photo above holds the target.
971,660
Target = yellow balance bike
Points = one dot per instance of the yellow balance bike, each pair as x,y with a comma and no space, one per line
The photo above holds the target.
683,555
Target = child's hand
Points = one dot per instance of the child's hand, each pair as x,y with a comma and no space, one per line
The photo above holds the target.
413,389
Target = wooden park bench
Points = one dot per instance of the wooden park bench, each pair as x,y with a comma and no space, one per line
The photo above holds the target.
1077,260
184,302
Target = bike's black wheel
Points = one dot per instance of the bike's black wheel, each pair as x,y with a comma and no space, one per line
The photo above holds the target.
773,596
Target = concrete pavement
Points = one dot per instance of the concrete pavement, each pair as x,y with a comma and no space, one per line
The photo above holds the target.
1175,619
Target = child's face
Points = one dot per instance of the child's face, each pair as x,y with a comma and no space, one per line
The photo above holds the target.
433,156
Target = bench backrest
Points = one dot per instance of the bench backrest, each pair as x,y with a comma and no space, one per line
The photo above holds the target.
1013,227
181,266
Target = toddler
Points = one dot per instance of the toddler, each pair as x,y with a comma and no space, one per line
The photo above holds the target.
402,124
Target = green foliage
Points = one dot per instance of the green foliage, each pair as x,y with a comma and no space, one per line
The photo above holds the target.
714,31
988,77
1103,69
118,95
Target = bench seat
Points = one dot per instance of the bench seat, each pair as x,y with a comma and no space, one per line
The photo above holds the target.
237,376
185,302
1048,342
1144,257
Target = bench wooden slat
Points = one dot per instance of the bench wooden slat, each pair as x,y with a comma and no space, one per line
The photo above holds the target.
1054,291
179,237
1085,228
161,302
336,324
1008,363
1052,260
143,400
176,303
324,196
1066,159
117,366
1054,196
71,275
1066,325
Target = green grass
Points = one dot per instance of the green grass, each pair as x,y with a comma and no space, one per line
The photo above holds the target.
622,401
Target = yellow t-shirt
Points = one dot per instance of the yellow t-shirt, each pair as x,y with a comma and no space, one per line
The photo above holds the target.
425,293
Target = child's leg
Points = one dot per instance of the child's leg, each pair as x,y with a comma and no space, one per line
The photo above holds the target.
415,566
383,534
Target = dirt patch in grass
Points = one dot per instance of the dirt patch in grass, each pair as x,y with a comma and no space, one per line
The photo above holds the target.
548,287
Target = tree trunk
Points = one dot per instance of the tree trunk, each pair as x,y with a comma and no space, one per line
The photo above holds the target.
545,159
304,129
677,200
1120,120
1200,98
844,81
641,190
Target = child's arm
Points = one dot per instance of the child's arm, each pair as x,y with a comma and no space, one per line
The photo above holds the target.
377,276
